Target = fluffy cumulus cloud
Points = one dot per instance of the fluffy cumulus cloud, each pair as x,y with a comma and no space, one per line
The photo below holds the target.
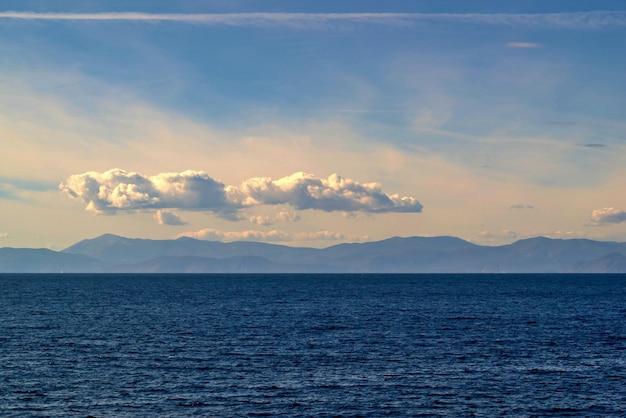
119,190
163,217
273,235
305,191
261,220
279,217
287,217
116,190
608,216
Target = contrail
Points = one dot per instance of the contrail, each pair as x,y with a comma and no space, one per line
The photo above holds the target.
574,20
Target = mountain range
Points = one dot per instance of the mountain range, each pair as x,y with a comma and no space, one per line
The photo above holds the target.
115,254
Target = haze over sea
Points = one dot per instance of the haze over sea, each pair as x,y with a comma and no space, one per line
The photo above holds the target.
312,345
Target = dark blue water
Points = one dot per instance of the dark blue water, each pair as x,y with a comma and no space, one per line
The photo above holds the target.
300,345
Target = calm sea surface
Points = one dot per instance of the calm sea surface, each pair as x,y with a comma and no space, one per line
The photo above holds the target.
312,345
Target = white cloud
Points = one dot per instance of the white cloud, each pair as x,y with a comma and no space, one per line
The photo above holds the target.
305,191
211,234
608,216
569,234
327,236
279,217
261,220
523,45
119,190
287,217
4,235
163,217
574,20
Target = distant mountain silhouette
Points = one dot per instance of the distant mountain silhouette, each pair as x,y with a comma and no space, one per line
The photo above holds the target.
610,263
111,253
41,260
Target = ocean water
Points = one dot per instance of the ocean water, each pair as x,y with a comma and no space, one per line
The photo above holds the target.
312,345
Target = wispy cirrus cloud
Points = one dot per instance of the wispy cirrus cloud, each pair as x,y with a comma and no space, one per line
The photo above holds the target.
572,20
16,189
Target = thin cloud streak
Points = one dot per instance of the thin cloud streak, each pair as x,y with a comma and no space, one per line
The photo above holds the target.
210,234
523,45
575,20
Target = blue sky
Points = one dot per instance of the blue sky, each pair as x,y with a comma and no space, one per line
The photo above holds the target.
312,123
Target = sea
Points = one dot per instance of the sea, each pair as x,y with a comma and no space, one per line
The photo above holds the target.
509,345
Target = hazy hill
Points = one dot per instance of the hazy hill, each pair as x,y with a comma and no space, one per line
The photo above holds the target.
113,249
110,253
41,260
610,263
